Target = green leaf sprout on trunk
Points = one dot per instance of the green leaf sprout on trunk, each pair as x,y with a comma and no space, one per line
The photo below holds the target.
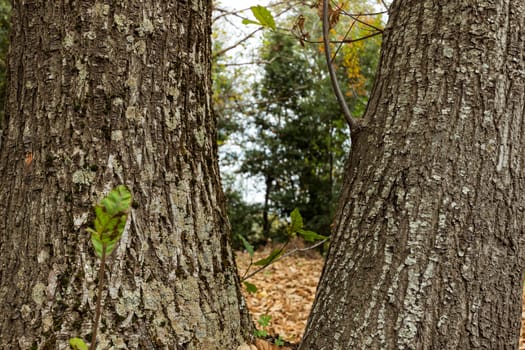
111,215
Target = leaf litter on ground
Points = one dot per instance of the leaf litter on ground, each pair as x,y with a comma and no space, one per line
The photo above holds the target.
285,290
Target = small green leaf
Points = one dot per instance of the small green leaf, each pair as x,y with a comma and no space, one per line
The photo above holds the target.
110,219
297,221
250,288
77,344
279,341
98,245
270,258
264,320
263,16
247,245
260,333
249,21
311,236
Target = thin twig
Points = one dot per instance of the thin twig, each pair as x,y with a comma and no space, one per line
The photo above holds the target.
223,51
356,18
296,250
99,297
246,275
225,12
344,38
345,41
244,278
360,14
385,5
352,123
255,62
291,252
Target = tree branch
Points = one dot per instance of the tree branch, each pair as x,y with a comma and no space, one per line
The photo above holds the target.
223,51
355,17
385,5
98,310
291,252
344,41
352,123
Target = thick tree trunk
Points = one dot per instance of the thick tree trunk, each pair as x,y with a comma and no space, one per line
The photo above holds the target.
103,93
427,251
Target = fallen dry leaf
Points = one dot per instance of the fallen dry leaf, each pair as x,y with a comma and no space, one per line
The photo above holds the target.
264,345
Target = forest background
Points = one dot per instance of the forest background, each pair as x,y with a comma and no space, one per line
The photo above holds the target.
260,118
283,136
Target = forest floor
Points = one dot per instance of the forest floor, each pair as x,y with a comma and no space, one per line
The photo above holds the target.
286,290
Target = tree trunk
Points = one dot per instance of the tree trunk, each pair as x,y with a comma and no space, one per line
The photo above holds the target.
103,93
427,251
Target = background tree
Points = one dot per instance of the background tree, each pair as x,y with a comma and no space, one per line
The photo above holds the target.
427,251
245,218
300,138
102,93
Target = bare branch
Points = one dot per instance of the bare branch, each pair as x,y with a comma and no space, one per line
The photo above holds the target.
352,123
355,17
360,14
345,41
291,252
385,5
255,62
223,51
344,38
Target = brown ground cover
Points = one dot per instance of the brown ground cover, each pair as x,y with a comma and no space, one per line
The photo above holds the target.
286,290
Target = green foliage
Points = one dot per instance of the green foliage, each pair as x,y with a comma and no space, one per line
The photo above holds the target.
264,322
297,138
296,222
244,219
311,236
276,253
247,245
279,341
77,344
295,227
299,144
250,288
111,215
263,16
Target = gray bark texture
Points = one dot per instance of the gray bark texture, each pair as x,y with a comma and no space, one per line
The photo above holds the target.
103,93
427,250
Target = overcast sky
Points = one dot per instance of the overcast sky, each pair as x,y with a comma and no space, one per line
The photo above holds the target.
238,28
230,32
241,4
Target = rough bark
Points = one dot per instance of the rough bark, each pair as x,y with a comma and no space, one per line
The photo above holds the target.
103,93
427,251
